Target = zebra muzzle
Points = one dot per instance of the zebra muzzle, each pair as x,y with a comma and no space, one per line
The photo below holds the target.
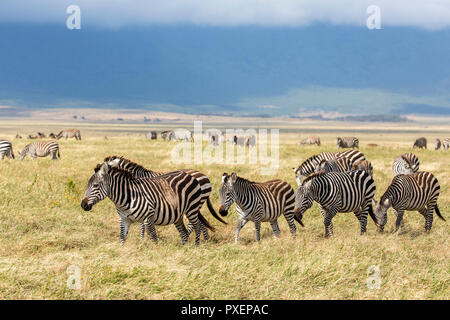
222,211
85,205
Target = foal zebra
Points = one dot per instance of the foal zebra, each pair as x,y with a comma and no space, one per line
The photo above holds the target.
334,165
6,149
140,172
309,165
161,200
335,192
406,163
40,149
258,202
413,192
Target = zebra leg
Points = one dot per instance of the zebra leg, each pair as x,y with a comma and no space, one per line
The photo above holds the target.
275,228
54,156
362,218
241,223
182,230
124,226
290,220
150,227
257,230
328,216
203,229
398,222
142,230
428,215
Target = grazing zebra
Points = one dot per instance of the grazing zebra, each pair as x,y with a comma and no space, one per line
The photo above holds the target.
69,133
257,202
40,149
335,192
406,163
446,143
309,165
420,143
363,165
413,192
6,149
140,172
310,141
161,200
437,144
334,165
347,142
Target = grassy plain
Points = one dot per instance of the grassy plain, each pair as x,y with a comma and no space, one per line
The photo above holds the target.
43,230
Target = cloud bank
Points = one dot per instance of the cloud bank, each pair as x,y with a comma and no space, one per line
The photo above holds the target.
429,14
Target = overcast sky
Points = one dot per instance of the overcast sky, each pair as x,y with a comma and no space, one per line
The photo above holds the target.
427,14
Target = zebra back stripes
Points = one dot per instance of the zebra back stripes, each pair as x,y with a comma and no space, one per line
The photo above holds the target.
335,192
258,202
309,165
415,192
6,149
405,164
334,165
40,149
154,201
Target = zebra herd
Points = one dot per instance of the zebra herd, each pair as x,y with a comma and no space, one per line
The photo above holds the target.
35,149
337,181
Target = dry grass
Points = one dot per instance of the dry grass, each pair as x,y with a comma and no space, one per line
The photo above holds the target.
44,231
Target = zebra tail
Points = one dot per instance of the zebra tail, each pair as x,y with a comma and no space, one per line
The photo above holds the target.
372,215
438,212
213,212
58,154
205,222
299,220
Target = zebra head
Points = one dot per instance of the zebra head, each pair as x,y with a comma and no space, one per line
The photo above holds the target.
381,209
303,199
322,166
97,187
226,193
338,142
23,153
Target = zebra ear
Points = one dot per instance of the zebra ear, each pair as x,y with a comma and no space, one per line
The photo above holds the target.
224,177
233,177
387,202
103,169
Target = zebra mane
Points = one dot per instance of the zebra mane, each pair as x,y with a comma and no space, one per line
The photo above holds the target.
126,162
113,170
314,158
312,176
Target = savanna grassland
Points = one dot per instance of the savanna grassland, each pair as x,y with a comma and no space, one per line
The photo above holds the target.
43,230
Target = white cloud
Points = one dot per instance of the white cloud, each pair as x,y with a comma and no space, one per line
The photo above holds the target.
428,14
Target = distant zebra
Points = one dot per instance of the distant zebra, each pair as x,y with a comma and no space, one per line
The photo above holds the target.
347,142
413,192
406,163
446,143
162,200
310,141
69,133
141,172
257,202
335,192
363,165
40,149
437,144
334,165
6,149
420,143
309,165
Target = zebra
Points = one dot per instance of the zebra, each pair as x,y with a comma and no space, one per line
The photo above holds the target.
347,142
257,202
437,144
308,166
413,192
311,140
6,149
334,165
335,192
406,163
140,172
69,133
40,149
446,143
363,165
161,200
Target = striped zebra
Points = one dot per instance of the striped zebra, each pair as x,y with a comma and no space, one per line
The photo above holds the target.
406,163
6,149
334,165
141,172
40,149
309,165
335,192
363,165
258,202
413,192
161,200
347,142
446,143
